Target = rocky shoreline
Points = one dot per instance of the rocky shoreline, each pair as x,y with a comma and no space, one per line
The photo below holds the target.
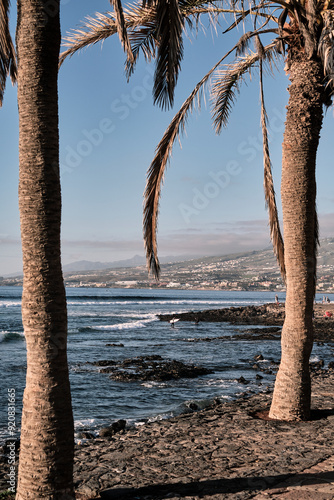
270,315
230,450
226,451
222,452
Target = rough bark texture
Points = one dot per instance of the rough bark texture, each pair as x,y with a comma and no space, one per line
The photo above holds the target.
292,394
46,454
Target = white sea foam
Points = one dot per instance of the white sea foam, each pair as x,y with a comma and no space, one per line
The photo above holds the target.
10,303
151,384
166,302
125,326
84,423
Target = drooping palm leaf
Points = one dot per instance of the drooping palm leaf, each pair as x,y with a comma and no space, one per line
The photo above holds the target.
7,51
143,39
157,169
269,191
227,84
315,247
326,46
97,29
244,14
121,28
245,39
93,30
170,51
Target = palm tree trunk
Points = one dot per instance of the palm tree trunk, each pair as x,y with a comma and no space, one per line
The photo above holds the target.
46,454
292,393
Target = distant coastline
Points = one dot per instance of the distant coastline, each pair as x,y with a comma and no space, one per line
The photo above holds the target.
250,271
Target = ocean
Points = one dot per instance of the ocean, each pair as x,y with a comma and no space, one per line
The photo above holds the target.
100,316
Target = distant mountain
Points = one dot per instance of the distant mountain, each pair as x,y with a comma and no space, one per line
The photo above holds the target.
257,270
137,260
255,259
86,265
245,270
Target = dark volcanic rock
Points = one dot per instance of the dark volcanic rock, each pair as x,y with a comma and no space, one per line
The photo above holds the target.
150,368
267,314
86,435
114,428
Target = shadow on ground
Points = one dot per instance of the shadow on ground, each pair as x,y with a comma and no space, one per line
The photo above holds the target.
214,487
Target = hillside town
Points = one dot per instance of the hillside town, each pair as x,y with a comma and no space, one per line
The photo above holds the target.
257,270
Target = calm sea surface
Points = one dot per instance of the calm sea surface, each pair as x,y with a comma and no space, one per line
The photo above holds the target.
101,316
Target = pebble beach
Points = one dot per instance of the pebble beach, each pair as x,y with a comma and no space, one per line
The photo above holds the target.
222,452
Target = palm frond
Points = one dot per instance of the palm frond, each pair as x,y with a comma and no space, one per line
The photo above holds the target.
326,46
226,86
243,14
281,21
142,39
7,51
121,28
228,82
93,30
243,43
97,29
157,168
269,191
316,246
170,51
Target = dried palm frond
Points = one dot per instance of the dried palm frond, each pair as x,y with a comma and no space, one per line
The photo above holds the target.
121,28
170,51
102,26
157,168
243,14
315,246
7,51
144,39
281,22
269,191
326,46
227,84
93,30
244,40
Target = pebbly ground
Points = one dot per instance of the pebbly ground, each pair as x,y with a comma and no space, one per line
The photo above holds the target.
222,452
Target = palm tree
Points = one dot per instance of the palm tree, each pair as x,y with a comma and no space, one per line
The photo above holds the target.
47,444
7,51
302,32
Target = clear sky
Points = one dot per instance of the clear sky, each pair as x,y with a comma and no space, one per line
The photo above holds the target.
212,201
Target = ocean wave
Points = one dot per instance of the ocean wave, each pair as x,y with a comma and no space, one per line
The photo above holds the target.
7,336
125,326
10,303
103,314
118,326
126,298
84,423
128,301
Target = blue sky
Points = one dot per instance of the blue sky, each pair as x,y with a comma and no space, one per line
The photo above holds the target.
212,201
